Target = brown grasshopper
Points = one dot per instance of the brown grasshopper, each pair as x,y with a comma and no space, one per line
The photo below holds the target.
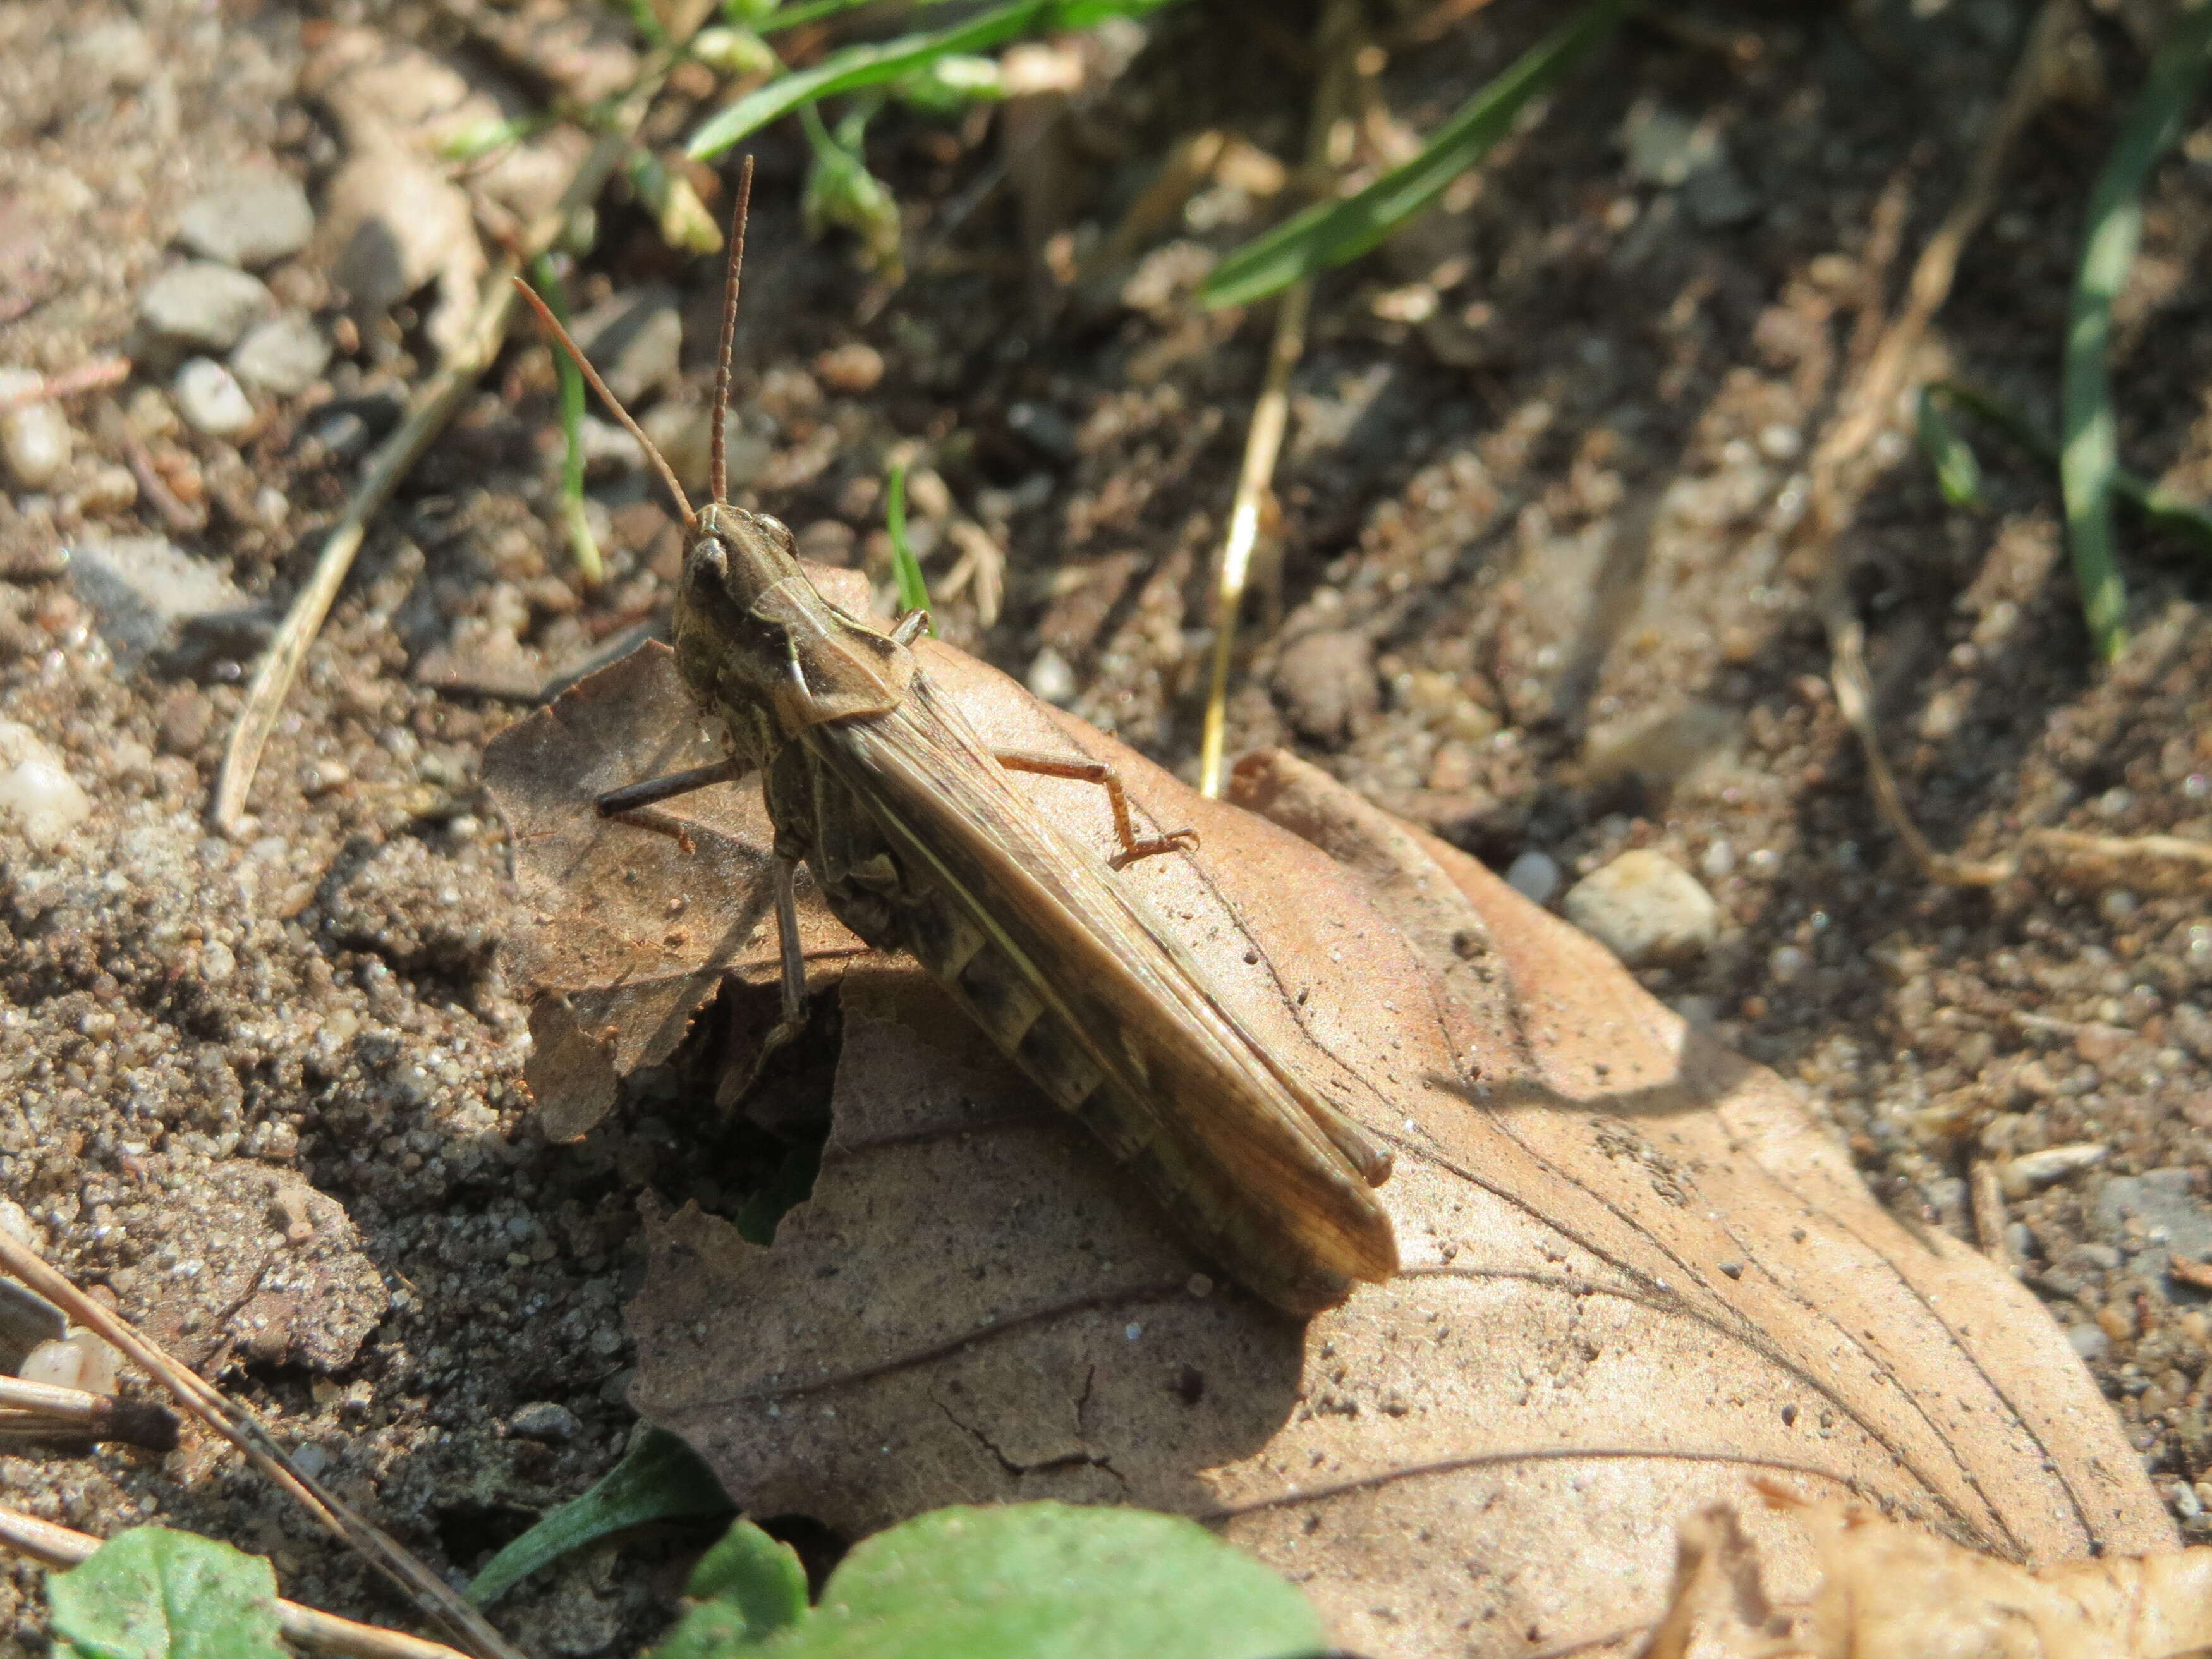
905,816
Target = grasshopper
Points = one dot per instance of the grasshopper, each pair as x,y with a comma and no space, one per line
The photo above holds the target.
919,842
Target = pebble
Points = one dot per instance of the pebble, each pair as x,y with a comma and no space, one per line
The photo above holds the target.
852,368
1646,908
284,355
202,305
79,1360
2031,1172
635,342
1044,427
36,440
544,1419
250,222
1326,683
2088,1340
151,598
1050,678
36,790
210,400
1535,876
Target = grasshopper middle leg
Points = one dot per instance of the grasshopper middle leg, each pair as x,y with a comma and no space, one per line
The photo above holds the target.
1134,845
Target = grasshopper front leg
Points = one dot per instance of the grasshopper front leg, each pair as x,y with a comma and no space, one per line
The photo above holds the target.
651,792
1134,846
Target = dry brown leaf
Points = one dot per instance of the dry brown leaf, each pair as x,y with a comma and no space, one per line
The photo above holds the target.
1638,1276
1890,1592
635,928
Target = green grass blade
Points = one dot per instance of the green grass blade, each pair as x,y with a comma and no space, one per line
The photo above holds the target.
546,276
873,62
2088,449
659,1478
906,569
1958,474
1334,233
2176,516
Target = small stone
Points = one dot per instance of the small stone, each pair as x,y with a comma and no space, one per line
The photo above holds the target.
544,1419
35,440
36,790
634,341
284,355
1645,909
154,601
80,1360
1044,427
1533,875
1718,199
1665,146
202,305
852,368
210,400
1050,679
112,488
1326,683
115,54
2090,1341
2031,1172
250,222
608,448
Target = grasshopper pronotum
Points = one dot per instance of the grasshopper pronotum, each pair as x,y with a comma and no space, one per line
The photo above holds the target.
919,842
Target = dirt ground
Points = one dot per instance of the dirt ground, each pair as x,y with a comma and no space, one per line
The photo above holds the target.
1536,592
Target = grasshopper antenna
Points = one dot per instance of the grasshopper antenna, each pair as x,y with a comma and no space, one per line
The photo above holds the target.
718,449
552,324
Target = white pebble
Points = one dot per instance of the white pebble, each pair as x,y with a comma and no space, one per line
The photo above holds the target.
211,399
1050,678
1535,876
1719,861
2031,1171
36,439
36,789
1785,964
1645,909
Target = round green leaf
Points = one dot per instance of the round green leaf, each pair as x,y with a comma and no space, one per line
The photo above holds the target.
152,1593
1052,1581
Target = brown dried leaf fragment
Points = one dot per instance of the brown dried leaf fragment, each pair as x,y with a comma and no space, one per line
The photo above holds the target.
637,921
1884,1591
1638,1276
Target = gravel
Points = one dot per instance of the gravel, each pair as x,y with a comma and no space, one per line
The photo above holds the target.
202,305
250,224
210,400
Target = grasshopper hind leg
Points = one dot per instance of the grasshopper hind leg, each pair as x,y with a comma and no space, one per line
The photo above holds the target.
1134,845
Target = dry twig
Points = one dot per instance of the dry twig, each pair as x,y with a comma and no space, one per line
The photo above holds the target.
48,1409
1843,467
60,1547
434,404
95,376
1263,440
430,1593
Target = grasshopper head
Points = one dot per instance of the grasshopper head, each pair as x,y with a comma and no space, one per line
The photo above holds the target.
759,646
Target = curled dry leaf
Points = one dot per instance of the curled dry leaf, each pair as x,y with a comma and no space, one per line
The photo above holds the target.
1893,1591
1638,1276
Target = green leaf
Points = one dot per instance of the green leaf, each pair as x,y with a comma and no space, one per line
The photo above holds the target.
1958,474
2088,454
659,1478
841,191
906,569
946,85
152,1593
873,62
1331,233
759,1576
546,276
1044,1581
2175,514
